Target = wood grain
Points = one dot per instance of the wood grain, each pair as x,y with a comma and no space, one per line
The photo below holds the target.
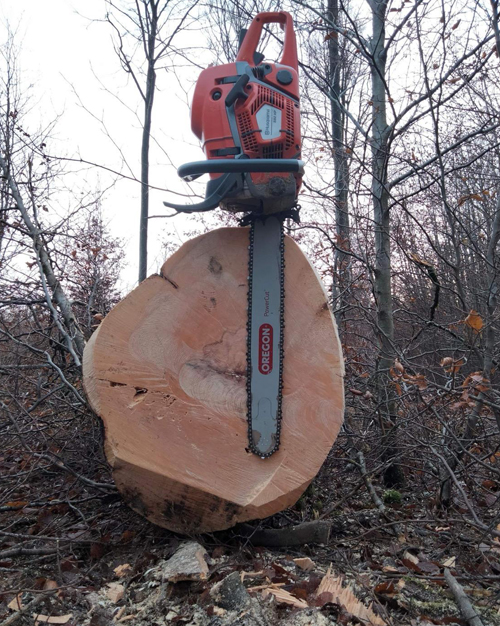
166,372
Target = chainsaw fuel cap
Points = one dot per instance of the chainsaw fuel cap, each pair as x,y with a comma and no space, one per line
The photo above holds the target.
284,77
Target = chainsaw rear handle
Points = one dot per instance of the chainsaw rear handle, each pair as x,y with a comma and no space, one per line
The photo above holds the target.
191,171
252,38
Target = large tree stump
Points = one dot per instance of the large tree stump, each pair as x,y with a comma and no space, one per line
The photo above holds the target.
166,372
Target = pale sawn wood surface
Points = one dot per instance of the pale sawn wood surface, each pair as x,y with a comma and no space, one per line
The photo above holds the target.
165,371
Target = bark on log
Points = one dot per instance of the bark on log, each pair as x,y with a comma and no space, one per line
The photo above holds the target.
316,531
166,372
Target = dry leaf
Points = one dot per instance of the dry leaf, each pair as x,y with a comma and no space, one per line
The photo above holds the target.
48,585
331,587
115,592
390,568
305,564
450,365
398,367
474,320
497,539
387,589
446,362
284,597
51,619
428,567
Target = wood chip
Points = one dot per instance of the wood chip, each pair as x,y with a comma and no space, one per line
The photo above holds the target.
188,563
51,619
219,611
266,586
411,557
244,575
115,592
284,597
305,564
119,613
127,618
450,562
16,604
122,570
332,587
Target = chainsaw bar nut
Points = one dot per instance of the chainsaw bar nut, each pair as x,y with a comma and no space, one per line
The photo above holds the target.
277,186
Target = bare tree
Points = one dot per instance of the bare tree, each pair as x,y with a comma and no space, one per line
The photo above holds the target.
19,153
145,31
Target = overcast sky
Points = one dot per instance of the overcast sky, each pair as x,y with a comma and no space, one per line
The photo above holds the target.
70,61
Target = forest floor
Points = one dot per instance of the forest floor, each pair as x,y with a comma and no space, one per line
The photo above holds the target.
75,554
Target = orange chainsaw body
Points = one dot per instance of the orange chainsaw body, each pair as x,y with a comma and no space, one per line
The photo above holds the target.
262,123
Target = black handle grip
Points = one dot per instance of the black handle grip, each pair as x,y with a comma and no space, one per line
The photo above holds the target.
238,91
222,166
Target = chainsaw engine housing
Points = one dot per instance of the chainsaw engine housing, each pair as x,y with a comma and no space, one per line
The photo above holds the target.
251,110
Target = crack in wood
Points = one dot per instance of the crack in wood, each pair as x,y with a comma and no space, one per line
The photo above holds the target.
169,280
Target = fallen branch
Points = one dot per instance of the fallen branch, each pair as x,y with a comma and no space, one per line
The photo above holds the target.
476,521
464,604
317,531
374,495
26,552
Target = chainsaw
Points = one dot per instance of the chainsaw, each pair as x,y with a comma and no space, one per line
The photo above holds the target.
247,116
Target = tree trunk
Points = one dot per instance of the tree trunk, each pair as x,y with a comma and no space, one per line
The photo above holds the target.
341,278
381,219
146,136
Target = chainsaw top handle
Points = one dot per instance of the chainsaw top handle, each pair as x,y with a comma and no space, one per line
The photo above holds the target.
251,41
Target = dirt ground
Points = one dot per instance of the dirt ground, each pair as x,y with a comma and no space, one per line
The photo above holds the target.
73,553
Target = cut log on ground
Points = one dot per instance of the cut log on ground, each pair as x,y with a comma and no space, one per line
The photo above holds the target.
166,371
316,531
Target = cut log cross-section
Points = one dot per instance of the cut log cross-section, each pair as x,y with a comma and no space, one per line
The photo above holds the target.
166,371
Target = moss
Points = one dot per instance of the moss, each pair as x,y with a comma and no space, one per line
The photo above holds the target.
433,608
422,598
392,496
